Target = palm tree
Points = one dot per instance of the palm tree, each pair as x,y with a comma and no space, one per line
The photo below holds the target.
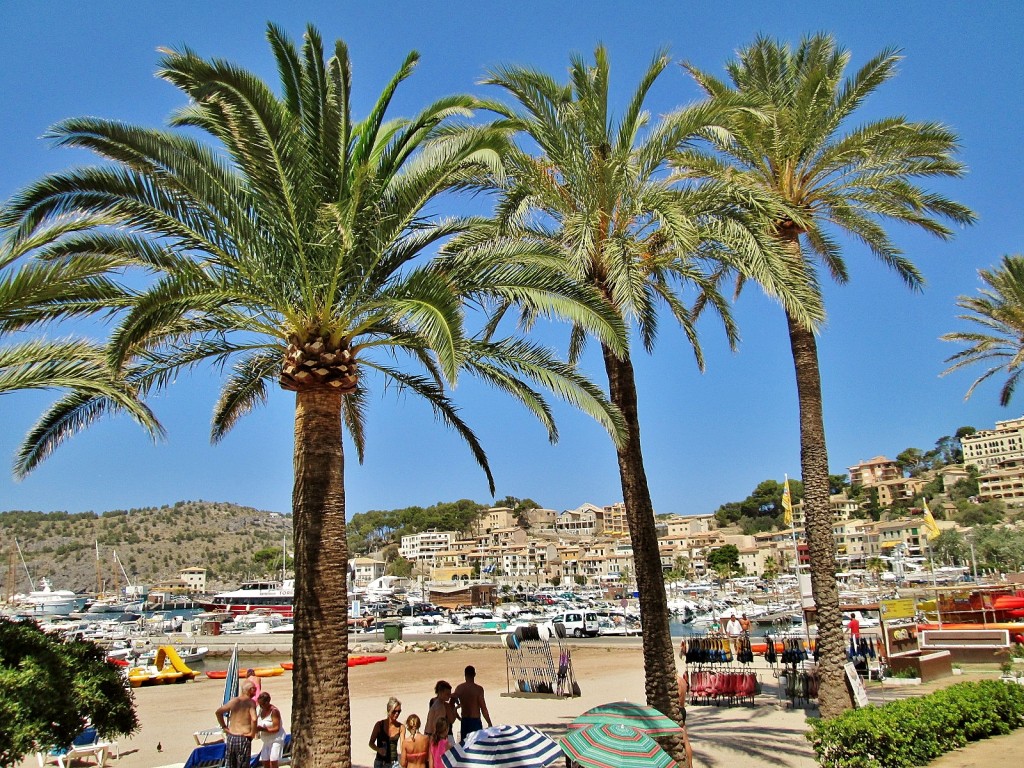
875,566
793,144
295,252
31,296
998,313
596,198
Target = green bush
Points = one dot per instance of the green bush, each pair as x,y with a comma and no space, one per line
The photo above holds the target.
915,731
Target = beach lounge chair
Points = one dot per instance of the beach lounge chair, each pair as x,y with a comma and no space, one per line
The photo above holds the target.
87,744
207,756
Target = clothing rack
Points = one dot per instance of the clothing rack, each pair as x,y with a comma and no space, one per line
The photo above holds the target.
714,674
798,681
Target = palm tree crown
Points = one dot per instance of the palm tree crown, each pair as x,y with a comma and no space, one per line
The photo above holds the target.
999,342
793,142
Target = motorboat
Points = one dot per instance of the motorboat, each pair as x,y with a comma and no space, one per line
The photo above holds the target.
47,601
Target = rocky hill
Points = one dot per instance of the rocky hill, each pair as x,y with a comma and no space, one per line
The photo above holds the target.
152,543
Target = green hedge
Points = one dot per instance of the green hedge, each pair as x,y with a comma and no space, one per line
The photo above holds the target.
915,731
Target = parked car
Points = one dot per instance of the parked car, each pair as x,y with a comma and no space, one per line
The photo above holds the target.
575,623
420,609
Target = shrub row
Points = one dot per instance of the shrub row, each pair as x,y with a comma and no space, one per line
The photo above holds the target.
915,731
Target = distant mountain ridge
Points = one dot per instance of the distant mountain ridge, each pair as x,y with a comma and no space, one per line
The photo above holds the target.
153,543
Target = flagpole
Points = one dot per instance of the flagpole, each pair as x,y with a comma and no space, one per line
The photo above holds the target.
931,532
787,517
935,583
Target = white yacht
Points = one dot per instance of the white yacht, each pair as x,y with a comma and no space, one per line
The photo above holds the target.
47,601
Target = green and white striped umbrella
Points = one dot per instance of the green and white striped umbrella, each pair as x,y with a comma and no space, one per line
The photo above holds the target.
639,716
615,746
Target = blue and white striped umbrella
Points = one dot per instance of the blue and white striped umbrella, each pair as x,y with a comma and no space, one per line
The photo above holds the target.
509,746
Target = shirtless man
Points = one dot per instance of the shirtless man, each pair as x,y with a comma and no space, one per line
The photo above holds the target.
238,719
470,697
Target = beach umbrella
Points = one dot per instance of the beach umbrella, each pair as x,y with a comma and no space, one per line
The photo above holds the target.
615,746
509,746
231,681
639,716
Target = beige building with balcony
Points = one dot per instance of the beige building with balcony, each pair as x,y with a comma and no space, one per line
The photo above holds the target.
874,471
1004,482
901,489
367,569
495,517
611,521
987,448
686,525
581,521
193,579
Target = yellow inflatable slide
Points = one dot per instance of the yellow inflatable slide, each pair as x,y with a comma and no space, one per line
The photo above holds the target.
175,672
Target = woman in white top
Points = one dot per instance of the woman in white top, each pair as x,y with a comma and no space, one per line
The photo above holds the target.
270,729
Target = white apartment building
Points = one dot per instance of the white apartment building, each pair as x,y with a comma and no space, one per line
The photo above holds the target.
422,546
986,448
852,541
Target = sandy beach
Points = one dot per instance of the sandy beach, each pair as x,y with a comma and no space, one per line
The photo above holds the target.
720,735
771,733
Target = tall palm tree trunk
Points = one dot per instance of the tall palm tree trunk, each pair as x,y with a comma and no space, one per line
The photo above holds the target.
833,696
659,659
320,640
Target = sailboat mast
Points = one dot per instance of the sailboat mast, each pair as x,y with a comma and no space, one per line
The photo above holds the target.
12,577
127,580
99,582
31,584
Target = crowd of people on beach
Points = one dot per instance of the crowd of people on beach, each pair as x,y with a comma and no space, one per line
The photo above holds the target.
399,745
250,715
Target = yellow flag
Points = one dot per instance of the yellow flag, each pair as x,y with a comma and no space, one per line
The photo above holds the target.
787,504
931,528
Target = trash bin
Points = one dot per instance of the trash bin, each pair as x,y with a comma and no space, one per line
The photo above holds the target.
392,632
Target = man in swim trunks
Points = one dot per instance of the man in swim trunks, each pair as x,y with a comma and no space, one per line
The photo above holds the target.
470,697
238,719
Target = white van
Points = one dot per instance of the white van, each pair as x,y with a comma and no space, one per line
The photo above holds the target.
576,623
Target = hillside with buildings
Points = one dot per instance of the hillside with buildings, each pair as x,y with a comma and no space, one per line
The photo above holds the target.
878,511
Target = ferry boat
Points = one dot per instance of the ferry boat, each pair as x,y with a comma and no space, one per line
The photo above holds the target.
270,596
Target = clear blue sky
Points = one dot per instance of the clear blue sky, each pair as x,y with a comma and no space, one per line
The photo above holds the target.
708,438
